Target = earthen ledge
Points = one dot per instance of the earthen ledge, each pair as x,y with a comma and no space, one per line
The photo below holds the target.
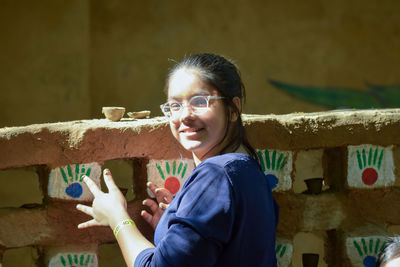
58,144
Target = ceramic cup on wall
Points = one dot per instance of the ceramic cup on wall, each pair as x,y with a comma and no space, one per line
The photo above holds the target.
113,113
314,185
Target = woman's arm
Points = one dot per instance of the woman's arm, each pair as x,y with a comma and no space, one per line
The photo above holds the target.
198,223
109,209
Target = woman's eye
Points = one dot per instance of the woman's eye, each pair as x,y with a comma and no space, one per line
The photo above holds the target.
199,102
174,106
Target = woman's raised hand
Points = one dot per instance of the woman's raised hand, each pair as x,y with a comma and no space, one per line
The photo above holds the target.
163,197
106,207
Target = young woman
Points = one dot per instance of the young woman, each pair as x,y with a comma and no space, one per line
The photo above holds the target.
225,214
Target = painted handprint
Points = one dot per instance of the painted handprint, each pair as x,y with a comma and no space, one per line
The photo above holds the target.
277,166
66,181
364,251
370,166
74,260
170,174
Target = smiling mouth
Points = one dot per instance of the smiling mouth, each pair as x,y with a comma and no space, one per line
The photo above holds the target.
190,131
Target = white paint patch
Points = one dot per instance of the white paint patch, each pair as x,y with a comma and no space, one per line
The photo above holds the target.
74,259
66,183
169,174
277,167
284,252
364,251
370,166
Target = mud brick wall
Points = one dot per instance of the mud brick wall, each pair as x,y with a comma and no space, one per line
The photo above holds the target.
344,223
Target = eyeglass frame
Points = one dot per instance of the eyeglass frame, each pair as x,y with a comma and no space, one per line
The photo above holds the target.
183,105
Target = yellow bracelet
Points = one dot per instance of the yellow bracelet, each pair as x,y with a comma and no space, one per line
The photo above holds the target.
122,224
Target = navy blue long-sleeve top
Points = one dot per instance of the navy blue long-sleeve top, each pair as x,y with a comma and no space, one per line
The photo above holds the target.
224,215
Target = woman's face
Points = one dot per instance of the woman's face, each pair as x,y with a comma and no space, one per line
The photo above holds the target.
393,263
198,133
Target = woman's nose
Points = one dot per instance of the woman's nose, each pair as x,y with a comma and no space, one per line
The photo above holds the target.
186,112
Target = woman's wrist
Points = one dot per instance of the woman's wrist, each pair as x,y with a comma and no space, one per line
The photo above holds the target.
121,225
117,217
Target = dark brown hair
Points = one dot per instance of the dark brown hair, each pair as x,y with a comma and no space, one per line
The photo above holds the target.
390,252
224,76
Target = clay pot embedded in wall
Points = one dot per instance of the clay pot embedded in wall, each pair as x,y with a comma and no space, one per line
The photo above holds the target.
314,185
310,259
113,113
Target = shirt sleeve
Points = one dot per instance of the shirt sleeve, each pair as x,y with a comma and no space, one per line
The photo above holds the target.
201,225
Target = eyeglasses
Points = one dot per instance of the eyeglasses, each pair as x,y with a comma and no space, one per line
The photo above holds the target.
198,104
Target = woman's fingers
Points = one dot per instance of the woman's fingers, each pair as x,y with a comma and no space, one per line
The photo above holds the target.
163,195
163,206
152,187
87,224
108,179
85,209
92,186
147,217
156,212
151,204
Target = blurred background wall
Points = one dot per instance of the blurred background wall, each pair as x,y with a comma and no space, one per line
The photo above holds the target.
63,60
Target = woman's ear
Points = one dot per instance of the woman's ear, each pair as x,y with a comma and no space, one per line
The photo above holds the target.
238,104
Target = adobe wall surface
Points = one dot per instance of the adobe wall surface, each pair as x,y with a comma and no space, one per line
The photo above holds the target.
64,60
355,152
44,62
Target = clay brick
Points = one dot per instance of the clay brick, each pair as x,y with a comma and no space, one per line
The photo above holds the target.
24,227
325,211
380,206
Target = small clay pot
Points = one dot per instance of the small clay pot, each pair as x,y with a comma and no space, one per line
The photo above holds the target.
139,114
310,259
314,185
113,113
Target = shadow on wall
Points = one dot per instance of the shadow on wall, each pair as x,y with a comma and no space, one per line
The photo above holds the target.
377,96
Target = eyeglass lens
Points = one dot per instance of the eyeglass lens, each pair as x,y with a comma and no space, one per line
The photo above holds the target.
198,104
